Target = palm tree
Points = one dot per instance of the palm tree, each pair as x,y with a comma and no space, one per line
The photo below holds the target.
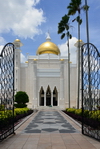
63,29
74,7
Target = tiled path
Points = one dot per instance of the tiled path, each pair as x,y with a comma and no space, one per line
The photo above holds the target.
49,122
47,130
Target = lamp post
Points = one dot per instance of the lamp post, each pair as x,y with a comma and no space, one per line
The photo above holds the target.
78,44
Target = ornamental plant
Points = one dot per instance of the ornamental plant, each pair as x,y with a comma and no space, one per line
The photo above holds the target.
21,98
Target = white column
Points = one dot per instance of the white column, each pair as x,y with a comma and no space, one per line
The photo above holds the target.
44,98
38,100
58,99
52,98
35,88
61,88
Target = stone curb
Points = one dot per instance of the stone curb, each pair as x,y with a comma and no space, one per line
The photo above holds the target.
24,120
72,119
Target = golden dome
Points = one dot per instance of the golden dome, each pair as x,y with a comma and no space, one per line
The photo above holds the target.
48,47
17,40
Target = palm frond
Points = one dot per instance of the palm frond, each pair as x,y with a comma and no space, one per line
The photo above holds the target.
60,29
79,20
63,26
63,35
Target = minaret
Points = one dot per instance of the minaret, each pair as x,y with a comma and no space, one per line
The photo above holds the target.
17,43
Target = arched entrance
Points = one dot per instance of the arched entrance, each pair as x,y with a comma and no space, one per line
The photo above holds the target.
41,97
55,97
48,96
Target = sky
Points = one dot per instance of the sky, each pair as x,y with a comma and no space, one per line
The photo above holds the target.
30,20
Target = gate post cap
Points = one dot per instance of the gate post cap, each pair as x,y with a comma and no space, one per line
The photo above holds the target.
17,43
81,43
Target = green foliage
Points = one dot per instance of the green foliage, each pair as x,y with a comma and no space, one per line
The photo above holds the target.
79,20
2,107
76,6
6,116
78,111
86,113
21,98
95,115
21,110
20,105
63,27
71,110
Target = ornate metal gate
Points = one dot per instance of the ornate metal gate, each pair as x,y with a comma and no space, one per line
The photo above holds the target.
7,91
90,90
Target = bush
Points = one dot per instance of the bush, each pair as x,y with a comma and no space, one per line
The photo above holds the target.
2,107
86,113
90,118
78,111
6,116
21,98
71,110
20,105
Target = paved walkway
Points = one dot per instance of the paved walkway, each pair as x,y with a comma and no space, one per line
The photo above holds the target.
49,129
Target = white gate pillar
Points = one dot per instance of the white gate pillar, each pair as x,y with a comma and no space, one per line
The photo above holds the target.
52,98
44,98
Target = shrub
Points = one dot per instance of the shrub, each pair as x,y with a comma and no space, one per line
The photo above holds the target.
78,111
2,107
21,98
20,105
71,110
6,116
86,113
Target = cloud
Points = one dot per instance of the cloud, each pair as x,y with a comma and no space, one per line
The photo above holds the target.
64,49
2,43
1,47
21,17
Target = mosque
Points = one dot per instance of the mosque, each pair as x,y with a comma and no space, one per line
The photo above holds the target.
44,77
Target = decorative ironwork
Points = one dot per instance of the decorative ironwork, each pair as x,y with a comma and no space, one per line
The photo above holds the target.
90,90
7,91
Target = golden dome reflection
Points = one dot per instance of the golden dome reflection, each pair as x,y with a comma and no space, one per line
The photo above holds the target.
17,40
48,47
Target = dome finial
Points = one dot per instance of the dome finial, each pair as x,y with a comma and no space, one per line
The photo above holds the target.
48,36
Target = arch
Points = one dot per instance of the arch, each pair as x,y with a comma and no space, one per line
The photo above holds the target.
55,97
41,96
48,96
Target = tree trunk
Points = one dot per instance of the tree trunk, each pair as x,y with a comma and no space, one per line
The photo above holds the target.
78,90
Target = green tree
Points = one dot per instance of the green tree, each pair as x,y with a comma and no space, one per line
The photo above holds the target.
74,7
21,98
63,29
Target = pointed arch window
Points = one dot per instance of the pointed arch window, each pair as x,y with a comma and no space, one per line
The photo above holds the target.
41,96
48,96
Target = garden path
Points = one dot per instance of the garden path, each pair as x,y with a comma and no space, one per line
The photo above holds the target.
49,129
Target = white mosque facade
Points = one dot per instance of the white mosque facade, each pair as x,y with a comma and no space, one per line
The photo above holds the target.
44,77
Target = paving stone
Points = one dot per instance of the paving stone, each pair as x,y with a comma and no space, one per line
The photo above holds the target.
48,122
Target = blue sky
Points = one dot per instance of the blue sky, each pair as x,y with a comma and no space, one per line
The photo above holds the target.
30,20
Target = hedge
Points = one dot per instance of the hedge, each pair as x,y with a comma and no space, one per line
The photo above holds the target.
6,116
90,118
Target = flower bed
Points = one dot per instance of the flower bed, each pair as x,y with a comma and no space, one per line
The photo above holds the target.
6,117
90,118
